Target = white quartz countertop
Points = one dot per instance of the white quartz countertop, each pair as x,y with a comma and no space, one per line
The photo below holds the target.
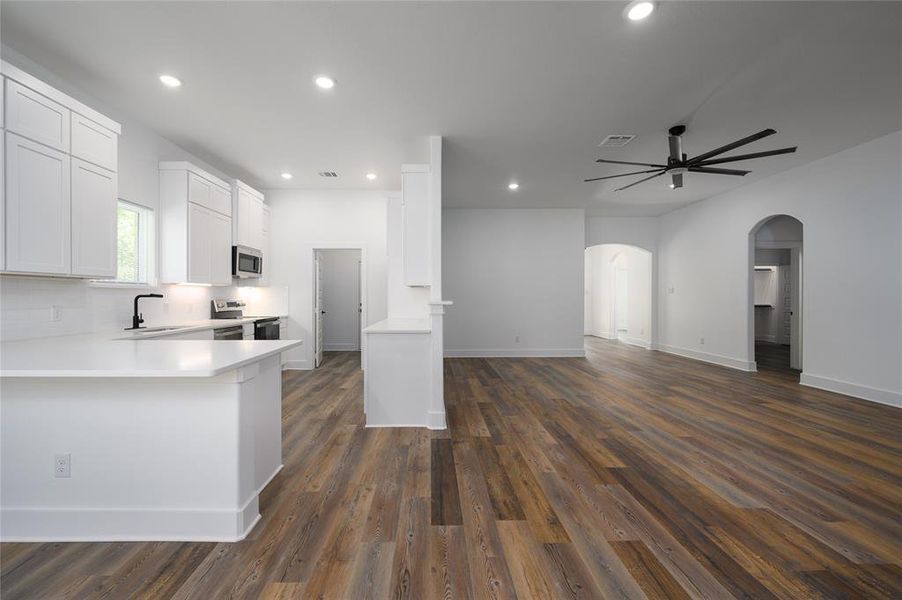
105,355
158,331
400,326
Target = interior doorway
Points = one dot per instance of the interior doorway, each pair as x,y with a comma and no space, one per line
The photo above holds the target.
775,334
618,302
337,301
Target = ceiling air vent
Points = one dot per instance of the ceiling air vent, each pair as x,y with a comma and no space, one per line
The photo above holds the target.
328,174
616,141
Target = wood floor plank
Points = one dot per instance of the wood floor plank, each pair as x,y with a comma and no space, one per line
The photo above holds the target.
625,474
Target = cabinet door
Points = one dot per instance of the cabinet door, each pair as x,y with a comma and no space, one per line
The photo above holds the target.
256,225
199,243
200,191
221,249
38,233
94,143
243,216
221,200
36,117
94,192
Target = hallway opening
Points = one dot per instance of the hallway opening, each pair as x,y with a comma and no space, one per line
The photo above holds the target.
776,289
618,293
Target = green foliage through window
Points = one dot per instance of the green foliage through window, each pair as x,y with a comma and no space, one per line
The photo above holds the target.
128,243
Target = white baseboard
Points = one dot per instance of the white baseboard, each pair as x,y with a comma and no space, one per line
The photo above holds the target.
636,342
296,365
717,359
341,346
131,525
852,389
517,353
436,420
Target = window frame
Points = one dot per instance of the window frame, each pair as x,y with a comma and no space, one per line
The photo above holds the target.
146,276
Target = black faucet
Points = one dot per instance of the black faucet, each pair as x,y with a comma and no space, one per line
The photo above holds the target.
138,318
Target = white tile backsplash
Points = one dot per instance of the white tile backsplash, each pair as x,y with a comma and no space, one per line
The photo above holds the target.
26,302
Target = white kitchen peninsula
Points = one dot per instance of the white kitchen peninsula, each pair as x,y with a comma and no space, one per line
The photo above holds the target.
165,440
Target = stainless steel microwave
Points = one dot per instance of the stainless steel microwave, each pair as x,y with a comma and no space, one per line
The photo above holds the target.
246,262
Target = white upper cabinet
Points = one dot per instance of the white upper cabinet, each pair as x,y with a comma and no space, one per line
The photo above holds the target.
209,192
196,226
94,191
221,249
416,227
36,117
94,142
59,182
38,204
247,212
200,236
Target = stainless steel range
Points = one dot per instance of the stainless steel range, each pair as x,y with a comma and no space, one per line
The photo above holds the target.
265,327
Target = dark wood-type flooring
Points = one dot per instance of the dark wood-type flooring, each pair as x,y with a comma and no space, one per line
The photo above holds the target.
628,474
774,357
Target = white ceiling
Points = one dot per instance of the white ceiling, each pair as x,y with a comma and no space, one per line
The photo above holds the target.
520,91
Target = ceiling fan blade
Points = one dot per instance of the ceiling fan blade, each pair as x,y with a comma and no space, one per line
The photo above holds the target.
640,181
622,175
620,162
714,171
676,181
728,147
726,159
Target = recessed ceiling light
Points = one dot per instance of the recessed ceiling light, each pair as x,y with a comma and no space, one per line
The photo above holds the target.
513,185
325,82
371,176
170,81
639,9
287,175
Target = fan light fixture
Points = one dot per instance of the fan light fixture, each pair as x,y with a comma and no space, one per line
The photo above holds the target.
371,176
639,9
678,163
513,185
286,176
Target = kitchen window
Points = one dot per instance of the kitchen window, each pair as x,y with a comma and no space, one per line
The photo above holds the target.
134,244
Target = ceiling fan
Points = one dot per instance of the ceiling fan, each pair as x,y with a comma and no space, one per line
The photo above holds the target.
679,163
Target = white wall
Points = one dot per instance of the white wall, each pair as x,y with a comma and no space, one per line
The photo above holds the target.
25,301
340,275
513,273
849,204
304,220
599,292
634,231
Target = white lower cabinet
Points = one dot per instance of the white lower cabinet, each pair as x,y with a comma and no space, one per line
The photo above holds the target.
38,208
94,191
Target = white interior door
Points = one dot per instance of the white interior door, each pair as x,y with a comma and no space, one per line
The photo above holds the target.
318,309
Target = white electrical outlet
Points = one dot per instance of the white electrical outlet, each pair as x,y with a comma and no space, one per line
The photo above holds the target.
62,465
55,313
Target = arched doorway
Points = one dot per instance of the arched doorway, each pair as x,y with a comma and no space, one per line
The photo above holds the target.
618,304
775,311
